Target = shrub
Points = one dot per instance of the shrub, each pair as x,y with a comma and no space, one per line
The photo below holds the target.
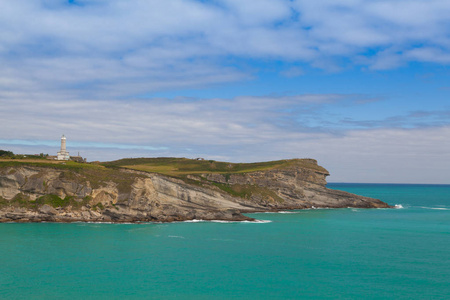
4,153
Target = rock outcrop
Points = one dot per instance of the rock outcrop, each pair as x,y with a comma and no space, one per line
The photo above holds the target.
37,194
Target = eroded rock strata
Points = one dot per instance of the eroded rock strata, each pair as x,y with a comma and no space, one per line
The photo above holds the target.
38,194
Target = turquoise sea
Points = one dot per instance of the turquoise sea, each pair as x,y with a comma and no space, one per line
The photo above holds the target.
399,253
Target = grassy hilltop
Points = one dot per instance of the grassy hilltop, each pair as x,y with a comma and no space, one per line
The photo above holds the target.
178,167
170,166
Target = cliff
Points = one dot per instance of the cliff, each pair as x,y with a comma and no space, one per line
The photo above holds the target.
36,192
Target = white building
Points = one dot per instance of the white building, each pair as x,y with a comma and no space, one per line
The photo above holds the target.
63,154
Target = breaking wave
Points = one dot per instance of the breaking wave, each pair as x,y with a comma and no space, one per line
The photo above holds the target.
257,221
281,212
176,236
437,208
223,221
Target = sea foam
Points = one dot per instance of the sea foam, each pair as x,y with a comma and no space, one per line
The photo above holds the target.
257,221
223,221
438,208
281,212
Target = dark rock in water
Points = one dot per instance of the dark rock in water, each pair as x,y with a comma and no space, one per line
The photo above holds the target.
35,194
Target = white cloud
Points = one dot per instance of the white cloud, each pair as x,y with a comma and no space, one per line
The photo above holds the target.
180,121
183,43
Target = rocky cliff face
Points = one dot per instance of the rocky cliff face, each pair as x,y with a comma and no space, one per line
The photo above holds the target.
36,194
295,188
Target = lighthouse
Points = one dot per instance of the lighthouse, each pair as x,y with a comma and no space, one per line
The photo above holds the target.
63,154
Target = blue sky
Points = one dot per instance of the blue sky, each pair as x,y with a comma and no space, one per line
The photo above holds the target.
362,86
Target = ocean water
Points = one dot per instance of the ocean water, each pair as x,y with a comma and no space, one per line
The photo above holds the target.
401,253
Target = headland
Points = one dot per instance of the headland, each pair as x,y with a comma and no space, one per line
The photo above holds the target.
163,190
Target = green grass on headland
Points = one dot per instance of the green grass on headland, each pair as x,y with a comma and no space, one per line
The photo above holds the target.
181,166
56,164
168,165
10,155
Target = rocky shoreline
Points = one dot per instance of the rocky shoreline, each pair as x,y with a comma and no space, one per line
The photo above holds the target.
30,193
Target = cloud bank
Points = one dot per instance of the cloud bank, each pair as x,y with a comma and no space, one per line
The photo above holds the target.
122,48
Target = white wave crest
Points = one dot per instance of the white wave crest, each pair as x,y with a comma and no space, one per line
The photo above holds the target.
438,208
398,206
176,236
257,221
223,221
280,212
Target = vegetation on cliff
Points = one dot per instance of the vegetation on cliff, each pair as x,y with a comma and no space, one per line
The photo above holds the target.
183,166
175,167
23,201
5,154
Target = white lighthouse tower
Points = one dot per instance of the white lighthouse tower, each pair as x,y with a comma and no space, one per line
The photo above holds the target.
63,154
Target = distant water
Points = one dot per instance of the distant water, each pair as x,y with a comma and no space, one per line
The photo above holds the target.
314,254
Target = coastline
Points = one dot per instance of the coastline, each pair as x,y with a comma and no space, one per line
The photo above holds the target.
78,192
